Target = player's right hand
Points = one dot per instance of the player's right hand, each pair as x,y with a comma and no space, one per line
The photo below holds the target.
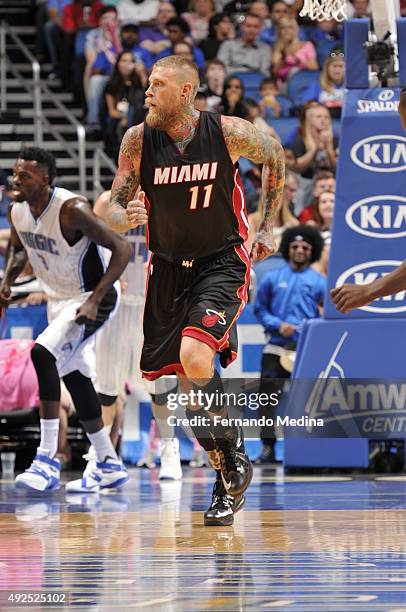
5,296
136,211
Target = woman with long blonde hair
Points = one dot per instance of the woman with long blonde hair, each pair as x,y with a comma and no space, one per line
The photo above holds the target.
290,54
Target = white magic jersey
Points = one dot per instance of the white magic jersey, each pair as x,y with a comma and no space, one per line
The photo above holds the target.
65,271
135,274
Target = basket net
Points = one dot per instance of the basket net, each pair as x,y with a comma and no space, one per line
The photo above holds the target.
319,10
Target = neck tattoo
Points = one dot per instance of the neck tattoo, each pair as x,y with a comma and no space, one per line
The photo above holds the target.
182,143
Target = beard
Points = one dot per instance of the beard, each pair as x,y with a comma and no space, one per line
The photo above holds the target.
162,119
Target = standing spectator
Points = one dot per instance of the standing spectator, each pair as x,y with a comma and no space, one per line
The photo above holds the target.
154,37
220,29
179,31
53,33
314,148
286,297
291,54
198,18
246,54
330,90
137,11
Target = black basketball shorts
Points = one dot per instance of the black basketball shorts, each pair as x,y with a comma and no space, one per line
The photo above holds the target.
201,299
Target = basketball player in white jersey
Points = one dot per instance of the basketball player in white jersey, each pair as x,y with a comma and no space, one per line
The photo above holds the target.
57,231
120,343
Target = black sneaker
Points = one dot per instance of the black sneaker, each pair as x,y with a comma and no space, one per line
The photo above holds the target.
222,507
236,468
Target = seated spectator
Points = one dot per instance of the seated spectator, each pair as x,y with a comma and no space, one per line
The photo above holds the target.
254,115
326,30
154,38
179,31
279,9
136,11
269,105
125,88
198,17
246,54
324,221
358,9
233,101
290,159
286,297
220,29
291,54
330,90
324,180
78,18
104,38
315,148
103,68
212,85
261,10
53,34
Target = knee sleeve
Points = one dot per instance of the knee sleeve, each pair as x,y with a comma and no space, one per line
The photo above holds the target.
84,396
159,392
48,378
107,400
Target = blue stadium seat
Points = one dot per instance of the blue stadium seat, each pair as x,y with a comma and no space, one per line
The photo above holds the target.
286,106
263,267
323,49
251,81
285,127
298,85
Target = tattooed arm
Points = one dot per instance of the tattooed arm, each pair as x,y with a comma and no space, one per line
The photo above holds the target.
123,212
244,140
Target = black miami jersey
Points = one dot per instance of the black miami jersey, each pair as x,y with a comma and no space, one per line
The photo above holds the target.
194,198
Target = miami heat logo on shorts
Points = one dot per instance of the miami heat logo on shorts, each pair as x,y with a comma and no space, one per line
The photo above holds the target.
212,317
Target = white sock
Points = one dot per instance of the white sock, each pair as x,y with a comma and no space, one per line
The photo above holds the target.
103,446
49,436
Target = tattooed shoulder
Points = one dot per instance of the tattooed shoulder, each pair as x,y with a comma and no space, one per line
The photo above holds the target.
243,139
131,145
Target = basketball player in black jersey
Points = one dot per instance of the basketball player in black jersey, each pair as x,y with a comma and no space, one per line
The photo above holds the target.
193,203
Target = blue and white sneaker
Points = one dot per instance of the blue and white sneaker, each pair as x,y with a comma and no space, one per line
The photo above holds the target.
44,474
108,475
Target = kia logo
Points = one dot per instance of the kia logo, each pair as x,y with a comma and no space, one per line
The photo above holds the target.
382,216
383,153
386,94
369,271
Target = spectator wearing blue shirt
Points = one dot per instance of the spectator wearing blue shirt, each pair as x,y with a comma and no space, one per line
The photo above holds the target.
286,298
179,31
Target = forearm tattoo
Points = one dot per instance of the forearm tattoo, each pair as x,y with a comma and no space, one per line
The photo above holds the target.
244,140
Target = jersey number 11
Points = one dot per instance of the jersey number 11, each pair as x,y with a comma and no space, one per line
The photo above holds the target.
195,194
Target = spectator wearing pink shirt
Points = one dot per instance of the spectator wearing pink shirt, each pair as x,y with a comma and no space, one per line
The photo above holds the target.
291,54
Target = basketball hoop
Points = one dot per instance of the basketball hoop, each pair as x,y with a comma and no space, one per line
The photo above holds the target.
319,10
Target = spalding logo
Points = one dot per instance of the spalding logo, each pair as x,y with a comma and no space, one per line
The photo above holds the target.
381,216
367,272
383,153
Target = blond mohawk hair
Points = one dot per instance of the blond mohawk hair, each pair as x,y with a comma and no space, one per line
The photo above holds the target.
182,65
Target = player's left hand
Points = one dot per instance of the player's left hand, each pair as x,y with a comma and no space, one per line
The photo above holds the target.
263,245
86,312
348,297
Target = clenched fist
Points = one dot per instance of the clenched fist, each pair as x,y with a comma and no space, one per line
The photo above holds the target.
136,211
